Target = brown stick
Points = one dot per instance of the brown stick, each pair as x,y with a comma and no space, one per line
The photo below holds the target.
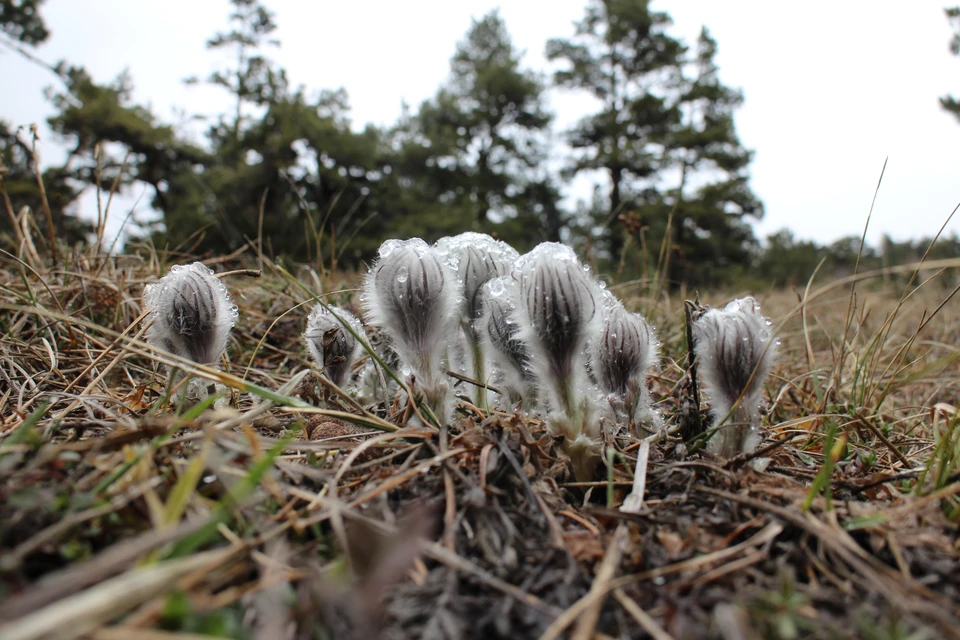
51,232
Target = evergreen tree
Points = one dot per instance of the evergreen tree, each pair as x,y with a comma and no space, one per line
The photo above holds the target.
622,55
710,208
950,103
21,28
665,138
21,22
482,137
280,149
18,174
113,140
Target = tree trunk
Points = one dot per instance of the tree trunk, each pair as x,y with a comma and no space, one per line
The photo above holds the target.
483,169
616,177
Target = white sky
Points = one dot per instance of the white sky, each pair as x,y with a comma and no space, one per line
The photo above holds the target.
831,88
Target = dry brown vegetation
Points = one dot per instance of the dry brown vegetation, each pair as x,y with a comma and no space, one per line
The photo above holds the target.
295,513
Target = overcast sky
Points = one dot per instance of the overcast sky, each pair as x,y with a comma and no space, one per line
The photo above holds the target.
831,88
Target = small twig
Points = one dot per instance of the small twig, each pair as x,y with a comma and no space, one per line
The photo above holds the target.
51,232
642,617
634,501
738,461
886,441
692,425
250,273
587,622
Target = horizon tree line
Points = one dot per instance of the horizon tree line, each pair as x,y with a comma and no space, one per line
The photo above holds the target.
673,195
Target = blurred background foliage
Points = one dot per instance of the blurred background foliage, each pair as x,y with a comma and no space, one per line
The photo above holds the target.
671,177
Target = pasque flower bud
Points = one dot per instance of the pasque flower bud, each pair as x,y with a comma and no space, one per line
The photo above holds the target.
557,313
192,313
475,258
498,331
333,348
621,353
624,349
412,295
732,345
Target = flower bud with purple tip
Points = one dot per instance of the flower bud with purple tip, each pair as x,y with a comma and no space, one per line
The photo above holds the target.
558,312
621,353
412,295
735,352
498,331
475,258
191,314
332,346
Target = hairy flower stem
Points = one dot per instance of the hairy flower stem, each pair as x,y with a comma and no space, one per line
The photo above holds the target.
479,370
581,435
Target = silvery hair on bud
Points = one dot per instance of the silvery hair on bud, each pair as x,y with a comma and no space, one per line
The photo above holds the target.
412,295
192,313
476,258
557,312
621,353
498,331
731,344
331,345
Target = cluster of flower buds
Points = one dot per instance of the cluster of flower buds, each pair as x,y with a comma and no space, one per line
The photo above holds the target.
191,314
525,323
539,327
735,351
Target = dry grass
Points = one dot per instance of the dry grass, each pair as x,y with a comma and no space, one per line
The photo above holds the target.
293,513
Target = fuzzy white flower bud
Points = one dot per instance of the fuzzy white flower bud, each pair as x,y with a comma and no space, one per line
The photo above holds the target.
498,332
192,313
333,348
624,350
620,355
475,258
412,295
732,345
558,312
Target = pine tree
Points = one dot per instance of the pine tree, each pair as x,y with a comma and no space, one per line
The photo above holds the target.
21,22
950,103
483,134
664,135
623,56
709,209
278,150
22,28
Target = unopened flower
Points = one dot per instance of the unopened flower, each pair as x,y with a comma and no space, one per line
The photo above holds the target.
475,258
735,352
330,343
192,314
412,295
557,313
498,331
621,354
